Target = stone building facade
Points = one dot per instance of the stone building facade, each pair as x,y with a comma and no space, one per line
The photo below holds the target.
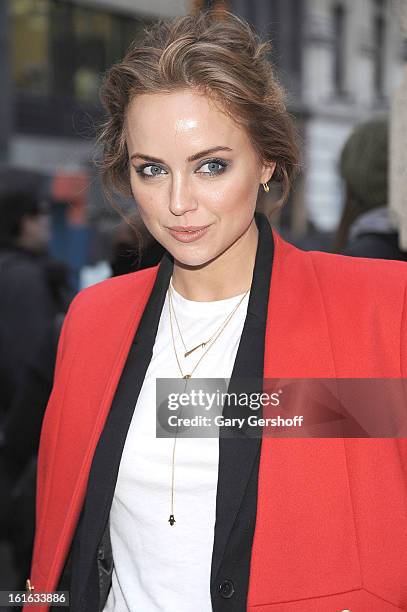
341,61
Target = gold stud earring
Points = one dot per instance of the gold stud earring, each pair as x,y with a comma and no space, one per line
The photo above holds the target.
266,187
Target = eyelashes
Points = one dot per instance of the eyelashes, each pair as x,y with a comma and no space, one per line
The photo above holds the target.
140,170
222,163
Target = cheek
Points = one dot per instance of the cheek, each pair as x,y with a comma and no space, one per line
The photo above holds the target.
152,216
237,196
145,202
150,220
150,201
137,190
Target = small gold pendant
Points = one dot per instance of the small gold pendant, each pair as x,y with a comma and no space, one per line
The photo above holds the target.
194,349
171,520
187,376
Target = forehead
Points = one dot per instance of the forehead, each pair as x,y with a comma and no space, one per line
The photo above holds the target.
183,118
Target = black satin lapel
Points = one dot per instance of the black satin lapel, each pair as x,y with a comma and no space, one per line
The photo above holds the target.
237,456
106,460
147,330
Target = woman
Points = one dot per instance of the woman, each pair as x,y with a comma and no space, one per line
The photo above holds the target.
196,125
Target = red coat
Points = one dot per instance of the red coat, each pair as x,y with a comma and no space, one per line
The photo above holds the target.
331,526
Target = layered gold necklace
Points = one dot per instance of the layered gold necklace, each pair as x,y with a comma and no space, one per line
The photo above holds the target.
210,342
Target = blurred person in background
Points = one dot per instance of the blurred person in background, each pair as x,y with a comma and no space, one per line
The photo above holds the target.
366,229
33,287
21,435
34,295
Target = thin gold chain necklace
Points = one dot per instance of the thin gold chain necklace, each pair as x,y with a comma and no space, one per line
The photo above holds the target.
213,339
215,333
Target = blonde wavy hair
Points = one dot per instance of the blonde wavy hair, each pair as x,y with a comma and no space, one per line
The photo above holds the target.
217,54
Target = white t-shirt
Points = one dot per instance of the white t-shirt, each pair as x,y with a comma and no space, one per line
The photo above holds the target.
159,567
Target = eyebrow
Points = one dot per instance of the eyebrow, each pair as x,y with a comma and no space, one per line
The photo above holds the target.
192,158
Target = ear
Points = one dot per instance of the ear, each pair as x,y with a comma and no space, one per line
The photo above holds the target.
267,172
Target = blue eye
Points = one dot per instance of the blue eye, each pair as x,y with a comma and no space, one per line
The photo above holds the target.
155,170
215,166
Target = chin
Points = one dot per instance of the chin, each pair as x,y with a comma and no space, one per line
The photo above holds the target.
191,260
199,258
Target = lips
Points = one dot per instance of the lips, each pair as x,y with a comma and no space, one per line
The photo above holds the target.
187,228
188,233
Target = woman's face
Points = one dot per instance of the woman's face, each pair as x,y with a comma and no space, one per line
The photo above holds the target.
194,174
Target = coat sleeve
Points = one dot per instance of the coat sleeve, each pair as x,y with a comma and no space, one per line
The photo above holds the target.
403,337
402,442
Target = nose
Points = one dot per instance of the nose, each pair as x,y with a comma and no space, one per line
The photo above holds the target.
182,199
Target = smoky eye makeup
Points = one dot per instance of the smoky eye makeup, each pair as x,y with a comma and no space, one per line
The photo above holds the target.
140,170
217,161
215,165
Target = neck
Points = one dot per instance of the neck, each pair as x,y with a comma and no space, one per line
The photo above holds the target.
226,276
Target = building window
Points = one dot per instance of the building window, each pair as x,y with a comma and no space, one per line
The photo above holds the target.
339,50
379,47
63,49
29,46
